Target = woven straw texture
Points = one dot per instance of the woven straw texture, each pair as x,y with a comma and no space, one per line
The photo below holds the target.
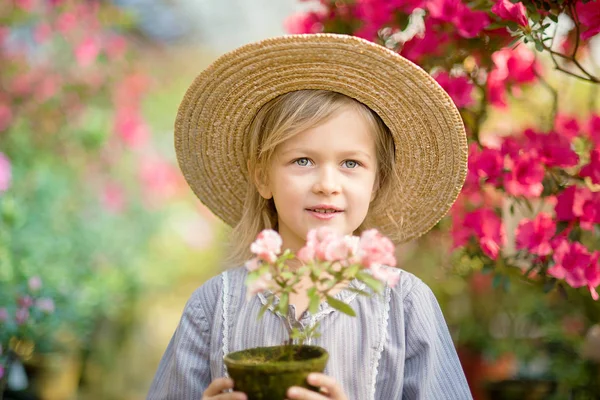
429,136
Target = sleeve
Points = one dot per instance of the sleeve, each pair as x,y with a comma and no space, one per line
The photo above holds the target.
432,369
184,370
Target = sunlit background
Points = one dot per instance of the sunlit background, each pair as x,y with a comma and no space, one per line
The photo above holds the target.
100,231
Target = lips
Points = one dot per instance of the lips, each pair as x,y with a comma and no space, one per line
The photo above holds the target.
324,211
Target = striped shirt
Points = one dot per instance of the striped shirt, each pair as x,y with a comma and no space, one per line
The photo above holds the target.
397,347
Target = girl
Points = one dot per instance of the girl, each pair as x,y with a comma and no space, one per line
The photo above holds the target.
299,132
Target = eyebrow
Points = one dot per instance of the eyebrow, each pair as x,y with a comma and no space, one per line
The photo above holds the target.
350,153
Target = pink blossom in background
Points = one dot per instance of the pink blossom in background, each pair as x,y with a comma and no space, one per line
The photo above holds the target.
486,163
267,245
593,129
34,283
42,33
115,47
534,235
509,11
131,128
511,147
66,22
385,274
430,44
459,88
21,316
576,266
567,126
488,229
46,88
113,198
578,204
468,23
374,248
25,301
45,305
524,177
23,84
553,150
1,371
3,314
25,5
589,17
309,22
259,285
5,173
511,67
160,179
87,52
592,170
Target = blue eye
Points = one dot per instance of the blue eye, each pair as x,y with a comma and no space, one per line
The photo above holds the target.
303,162
351,164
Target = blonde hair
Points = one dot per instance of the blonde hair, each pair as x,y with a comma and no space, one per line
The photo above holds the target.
281,119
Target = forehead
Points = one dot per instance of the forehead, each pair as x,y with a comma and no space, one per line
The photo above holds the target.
346,130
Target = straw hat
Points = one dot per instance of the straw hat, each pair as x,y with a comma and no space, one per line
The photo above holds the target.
429,136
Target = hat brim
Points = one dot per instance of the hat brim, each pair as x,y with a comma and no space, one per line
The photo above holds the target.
429,135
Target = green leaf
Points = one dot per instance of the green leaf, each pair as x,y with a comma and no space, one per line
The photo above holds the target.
262,311
340,306
282,307
313,305
371,282
539,46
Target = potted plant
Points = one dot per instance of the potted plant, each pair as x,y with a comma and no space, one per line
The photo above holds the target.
330,261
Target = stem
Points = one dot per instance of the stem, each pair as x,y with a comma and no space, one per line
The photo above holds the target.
554,94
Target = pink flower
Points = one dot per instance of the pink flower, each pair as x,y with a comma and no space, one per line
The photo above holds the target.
3,314
511,67
524,177
259,285
338,249
115,47
267,245
487,164
25,301
66,22
21,316
42,32
578,204
1,371
25,5
131,127
86,52
310,22
567,126
160,178
554,150
385,274
459,88
469,23
593,128
45,304
6,116
374,248
113,198
575,264
488,229
5,173
430,44
511,11
253,264
34,283
592,170
589,17
534,235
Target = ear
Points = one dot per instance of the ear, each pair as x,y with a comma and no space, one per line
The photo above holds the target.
262,183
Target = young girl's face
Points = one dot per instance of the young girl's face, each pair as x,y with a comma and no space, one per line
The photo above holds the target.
324,176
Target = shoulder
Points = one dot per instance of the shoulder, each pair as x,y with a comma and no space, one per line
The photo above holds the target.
207,296
410,291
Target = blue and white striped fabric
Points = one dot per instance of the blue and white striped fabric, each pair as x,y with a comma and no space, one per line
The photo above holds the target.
397,347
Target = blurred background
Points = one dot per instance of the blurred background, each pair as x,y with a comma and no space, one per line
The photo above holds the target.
102,242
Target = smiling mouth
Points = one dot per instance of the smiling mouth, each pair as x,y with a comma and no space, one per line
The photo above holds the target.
324,210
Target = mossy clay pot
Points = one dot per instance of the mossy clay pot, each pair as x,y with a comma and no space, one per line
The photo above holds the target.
266,373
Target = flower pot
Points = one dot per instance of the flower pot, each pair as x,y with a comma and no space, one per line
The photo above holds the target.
265,373
523,389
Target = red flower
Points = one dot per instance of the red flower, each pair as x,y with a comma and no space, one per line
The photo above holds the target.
575,264
553,149
459,88
486,226
510,67
578,204
567,126
593,128
488,163
534,235
511,11
467,23
589,17
525,176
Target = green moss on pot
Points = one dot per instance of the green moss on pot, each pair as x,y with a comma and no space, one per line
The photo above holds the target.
265,373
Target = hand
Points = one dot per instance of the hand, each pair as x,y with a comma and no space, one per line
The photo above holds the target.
330,389
214,391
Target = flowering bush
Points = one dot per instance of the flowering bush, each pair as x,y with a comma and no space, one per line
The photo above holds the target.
328,260
544,177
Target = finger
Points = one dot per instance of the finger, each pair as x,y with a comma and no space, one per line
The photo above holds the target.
327,384
298,393
217,386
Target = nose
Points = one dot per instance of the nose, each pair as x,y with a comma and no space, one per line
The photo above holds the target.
327,181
